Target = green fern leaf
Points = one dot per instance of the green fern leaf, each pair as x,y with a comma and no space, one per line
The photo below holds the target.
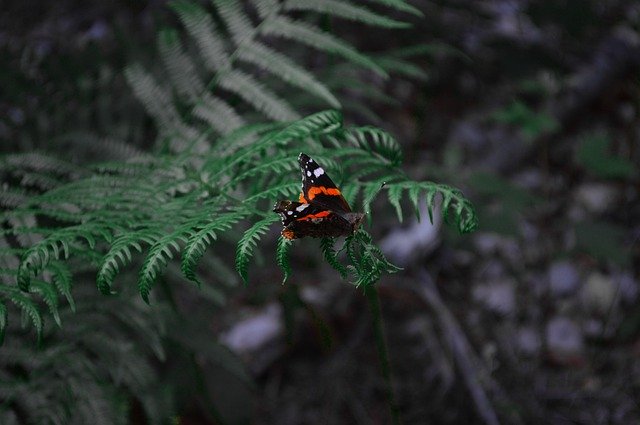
394,193
30,310
50,297
218,114
248,243
329,253
159,254
154,97
200,26
120,254
39,255
414,197
62,280
237,22
401,6
376,141
182,71
344,10
256,94
282,257
282,67
282,191
310,35
200,239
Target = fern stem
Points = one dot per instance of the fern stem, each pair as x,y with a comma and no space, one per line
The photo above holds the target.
373,299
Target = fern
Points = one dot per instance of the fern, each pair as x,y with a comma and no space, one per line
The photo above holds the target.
328,251
248,243
282,257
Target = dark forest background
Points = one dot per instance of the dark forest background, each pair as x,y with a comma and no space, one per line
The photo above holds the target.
531,108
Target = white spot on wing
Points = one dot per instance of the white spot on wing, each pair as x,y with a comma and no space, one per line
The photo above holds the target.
290,212
318,171
308,173
301,207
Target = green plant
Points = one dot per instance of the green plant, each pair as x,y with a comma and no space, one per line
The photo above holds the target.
217,168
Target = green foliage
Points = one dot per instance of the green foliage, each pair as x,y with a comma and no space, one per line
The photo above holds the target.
216,167
282,257
187,201
531,123
595,156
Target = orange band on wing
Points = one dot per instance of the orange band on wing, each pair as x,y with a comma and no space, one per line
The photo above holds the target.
302,200
318,215
317,190
288,234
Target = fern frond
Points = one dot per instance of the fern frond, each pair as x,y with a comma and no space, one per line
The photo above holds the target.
154,97
182,71
327,246
453,202
310,35
235,19
376,141
30,310
400,5
201,27
50,297
282,67
200,239
159,254
256,94
248,243
282,257
120,254
280,192
394,194
218,114
63,281
344,10
40,254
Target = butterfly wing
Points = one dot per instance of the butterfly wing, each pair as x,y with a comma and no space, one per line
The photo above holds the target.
318,188
310,219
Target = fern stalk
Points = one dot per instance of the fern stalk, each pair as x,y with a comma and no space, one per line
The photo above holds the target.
373,299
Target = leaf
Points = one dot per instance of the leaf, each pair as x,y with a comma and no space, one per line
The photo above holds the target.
258,95
159,254
282,67
329,253
200,239
200,26
394,193
30,310
282,257
248,243
312,36
344,10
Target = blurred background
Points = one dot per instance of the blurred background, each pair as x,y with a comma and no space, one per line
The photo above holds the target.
532,108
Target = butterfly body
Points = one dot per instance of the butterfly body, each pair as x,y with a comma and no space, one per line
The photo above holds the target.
321,210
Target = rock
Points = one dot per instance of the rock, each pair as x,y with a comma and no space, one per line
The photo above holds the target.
598,293
596,198
565,341
252,334
563,279
498,297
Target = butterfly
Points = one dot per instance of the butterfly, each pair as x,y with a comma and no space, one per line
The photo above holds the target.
321,211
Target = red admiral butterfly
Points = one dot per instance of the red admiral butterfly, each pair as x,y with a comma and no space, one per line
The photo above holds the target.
321,210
